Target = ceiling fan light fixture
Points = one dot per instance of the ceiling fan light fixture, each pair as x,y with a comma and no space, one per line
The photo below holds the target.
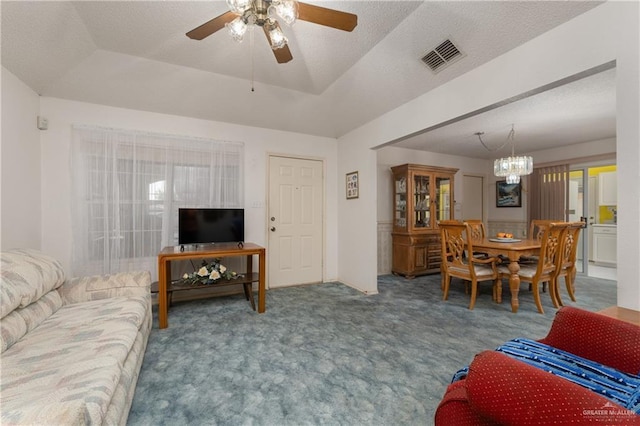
237,28
287,10
276,36
239,6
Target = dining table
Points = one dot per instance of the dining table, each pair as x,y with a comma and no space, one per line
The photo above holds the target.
513,249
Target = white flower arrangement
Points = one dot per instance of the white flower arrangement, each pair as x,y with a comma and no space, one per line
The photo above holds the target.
209,273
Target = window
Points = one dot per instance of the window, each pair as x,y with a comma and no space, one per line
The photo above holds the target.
128,186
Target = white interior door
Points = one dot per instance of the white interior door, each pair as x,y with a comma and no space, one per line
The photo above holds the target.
473,201
296,205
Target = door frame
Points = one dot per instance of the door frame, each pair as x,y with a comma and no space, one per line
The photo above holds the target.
584,167
323,161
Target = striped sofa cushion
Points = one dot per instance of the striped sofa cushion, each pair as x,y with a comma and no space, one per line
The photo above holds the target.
619,387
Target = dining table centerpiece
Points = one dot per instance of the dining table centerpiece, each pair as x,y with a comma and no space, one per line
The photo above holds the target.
209,272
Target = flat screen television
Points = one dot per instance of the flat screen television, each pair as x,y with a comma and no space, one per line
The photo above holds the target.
208,225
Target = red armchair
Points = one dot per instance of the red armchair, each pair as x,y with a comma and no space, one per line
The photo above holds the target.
502,390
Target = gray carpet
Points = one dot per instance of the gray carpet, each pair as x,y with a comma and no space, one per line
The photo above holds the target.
329,355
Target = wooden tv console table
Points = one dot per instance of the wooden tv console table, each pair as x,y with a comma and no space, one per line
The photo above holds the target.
202,251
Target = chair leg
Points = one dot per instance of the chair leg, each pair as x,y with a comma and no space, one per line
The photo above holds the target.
446,280
497,284
570,282
536,297
499,290
553,292
557,290
474,294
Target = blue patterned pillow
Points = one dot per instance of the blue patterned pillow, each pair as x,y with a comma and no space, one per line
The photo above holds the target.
619,387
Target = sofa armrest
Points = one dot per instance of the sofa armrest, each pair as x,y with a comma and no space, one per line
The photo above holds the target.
596,337
84,289
510,392
454,409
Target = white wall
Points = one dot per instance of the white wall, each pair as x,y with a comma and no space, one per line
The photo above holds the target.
605,33
56,181
20,177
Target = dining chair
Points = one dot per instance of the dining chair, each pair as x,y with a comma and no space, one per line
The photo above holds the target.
476,233
566,266
545,269
455,239
538,226
536,230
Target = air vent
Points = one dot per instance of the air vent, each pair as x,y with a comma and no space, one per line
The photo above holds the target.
442,56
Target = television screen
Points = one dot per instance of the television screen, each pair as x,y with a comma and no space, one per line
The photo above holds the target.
203,226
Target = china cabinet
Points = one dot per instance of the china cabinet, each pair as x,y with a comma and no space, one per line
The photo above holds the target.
422,196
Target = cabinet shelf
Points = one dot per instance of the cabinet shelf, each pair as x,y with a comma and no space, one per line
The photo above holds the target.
175,285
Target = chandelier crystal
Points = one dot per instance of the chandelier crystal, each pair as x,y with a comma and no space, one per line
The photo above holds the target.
513,167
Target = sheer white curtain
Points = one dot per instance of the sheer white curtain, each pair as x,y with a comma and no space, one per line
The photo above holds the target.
127,187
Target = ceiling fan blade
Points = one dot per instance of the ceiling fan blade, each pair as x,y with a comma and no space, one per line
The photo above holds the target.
210,27
327,17
283,55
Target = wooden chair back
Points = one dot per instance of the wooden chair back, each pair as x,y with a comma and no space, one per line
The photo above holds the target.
550,249
456,241
547,261
566,265
453,236
538,226
476,229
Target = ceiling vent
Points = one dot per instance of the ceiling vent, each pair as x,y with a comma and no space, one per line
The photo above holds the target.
442,56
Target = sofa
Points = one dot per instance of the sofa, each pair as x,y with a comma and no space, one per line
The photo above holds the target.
71,348
585,371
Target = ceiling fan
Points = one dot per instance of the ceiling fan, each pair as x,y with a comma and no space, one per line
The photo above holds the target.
243,13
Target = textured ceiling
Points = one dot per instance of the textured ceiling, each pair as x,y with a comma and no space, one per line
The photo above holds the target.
134,54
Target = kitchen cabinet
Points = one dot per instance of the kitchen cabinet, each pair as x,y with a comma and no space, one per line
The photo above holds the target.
608,189
423,195
604,244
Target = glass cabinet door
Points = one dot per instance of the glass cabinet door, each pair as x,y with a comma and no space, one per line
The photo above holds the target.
400,203
421,201
443,198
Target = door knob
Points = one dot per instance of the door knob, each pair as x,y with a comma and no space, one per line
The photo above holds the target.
273,229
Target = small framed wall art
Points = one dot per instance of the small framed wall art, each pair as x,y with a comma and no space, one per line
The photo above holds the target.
352,185
508,194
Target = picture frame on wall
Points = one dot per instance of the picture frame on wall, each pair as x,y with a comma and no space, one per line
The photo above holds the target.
352,185
508,194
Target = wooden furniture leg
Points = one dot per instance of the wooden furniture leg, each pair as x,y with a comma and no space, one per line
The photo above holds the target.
262,303
248,287
164,275
514,284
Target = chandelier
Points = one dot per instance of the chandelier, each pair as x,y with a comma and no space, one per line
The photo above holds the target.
511,167
262,13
